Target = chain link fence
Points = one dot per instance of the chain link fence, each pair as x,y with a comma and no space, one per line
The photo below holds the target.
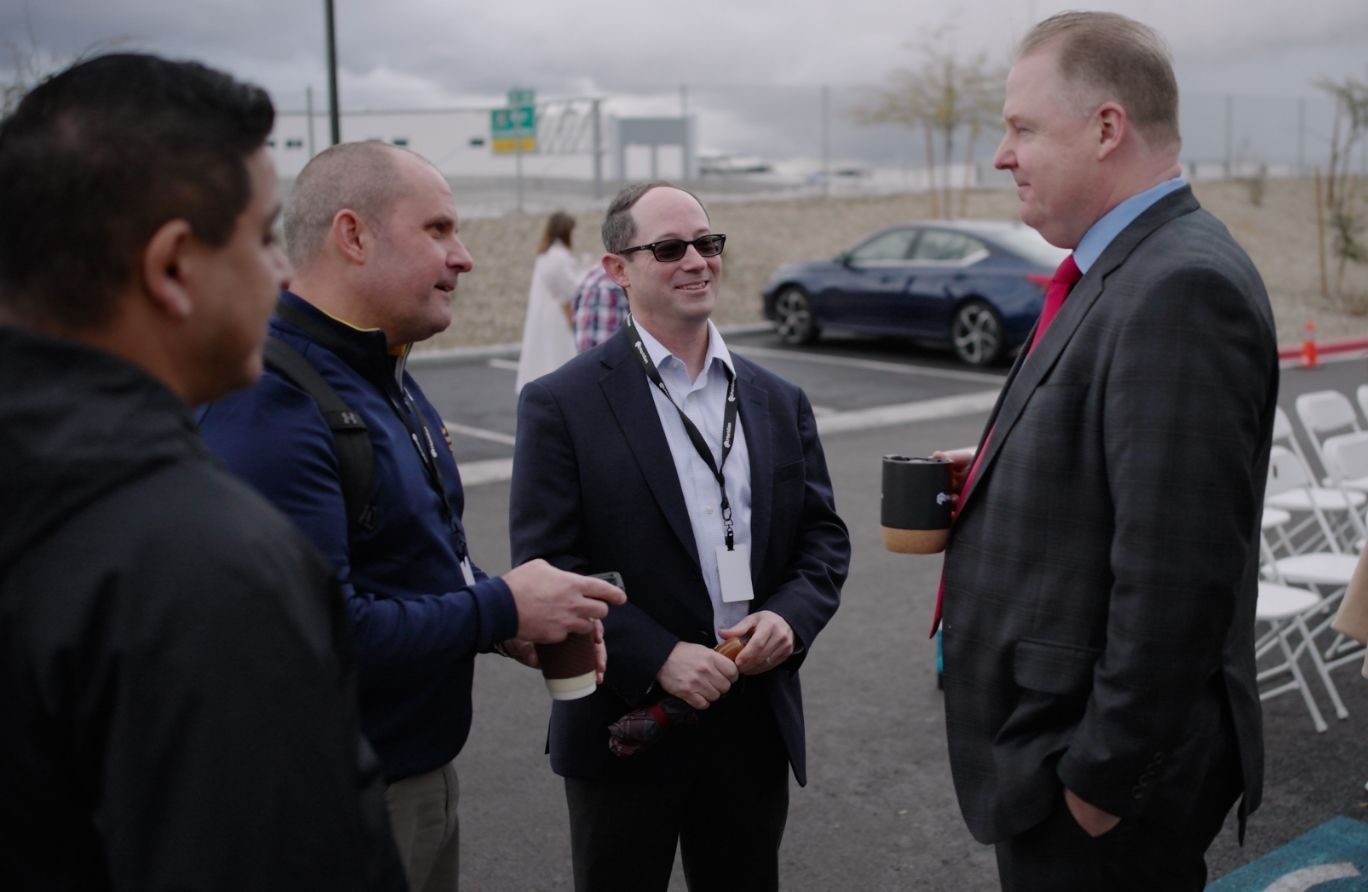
764,140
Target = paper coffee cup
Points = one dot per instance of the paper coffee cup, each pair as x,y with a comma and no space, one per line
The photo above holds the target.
915,504
569,668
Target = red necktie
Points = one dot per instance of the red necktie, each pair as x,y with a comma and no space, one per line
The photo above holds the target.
1065,277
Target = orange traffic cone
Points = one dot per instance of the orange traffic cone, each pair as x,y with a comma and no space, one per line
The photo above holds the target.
1309,357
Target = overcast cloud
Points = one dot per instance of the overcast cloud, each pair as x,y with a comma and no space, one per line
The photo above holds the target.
423,53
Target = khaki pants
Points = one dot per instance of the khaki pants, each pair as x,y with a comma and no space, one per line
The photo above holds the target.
422,813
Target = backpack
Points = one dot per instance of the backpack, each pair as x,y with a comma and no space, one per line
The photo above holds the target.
351,440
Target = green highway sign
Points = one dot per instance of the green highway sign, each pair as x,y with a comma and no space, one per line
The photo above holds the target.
514,129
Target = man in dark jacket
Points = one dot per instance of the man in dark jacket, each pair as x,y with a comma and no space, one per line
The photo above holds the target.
373,235
180,703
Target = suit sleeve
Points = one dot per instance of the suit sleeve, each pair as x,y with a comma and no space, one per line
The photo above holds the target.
546,517
1185,409
295,467
809,590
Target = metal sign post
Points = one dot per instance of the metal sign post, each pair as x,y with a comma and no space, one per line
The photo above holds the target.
514,130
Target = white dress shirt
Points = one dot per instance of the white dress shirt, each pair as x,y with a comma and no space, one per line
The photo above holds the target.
704,401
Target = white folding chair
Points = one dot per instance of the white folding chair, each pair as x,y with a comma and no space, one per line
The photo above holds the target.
1346,460
1290,489
1283,608
1311,502
1325,572
1361,394
1324,413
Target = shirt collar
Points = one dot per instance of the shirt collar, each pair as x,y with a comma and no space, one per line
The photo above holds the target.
1097,238
717,350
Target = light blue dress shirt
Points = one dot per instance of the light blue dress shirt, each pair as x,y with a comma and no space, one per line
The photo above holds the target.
1096,239
704,401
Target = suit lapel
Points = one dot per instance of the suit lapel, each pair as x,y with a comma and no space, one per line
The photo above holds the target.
755,421
628,394
1030,371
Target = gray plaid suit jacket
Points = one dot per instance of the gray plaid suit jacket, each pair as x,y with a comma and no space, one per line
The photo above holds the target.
1101,576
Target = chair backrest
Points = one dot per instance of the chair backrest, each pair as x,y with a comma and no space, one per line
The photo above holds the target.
1325,412
1286,472
1284,435
1346,456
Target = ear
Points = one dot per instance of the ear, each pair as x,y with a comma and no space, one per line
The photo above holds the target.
1112,125
165,261
615,265
350,235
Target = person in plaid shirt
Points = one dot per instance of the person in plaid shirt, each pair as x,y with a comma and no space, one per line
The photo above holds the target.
599,308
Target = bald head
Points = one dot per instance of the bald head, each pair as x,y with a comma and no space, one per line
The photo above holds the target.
363,177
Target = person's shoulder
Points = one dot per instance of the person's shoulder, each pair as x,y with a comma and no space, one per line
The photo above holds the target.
186,523
274,403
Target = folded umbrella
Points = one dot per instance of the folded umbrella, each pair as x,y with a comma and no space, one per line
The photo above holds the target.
644,725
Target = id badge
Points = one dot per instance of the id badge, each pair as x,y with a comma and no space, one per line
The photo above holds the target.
733,567
467,572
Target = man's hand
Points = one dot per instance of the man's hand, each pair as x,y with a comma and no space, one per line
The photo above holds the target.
600,653
553,603
524,652
696,674
960,462
1092,819
771,641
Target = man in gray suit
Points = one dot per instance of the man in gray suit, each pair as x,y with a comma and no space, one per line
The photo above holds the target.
1100,580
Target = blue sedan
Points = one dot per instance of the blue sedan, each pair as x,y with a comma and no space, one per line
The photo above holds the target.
974,285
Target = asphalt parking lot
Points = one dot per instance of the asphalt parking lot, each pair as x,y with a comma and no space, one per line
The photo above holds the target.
879,812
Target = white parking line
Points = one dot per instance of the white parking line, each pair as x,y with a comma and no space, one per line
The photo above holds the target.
871,364
498,470
510,364
478,433
492,470
904,413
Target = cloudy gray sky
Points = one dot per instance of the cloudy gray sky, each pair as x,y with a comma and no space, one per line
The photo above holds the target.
413,53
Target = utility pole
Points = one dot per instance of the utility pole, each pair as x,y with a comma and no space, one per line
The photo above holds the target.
334,116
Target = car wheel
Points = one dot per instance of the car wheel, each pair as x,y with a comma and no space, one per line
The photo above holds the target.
794,314
976,334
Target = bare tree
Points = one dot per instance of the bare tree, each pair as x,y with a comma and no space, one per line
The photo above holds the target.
945,97
27,63
1341,182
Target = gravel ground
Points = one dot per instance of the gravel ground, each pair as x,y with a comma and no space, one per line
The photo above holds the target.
1279,233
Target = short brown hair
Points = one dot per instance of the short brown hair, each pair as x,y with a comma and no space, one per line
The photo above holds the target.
1118,56
618,227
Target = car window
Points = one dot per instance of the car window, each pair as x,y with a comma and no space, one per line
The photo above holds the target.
1029,244
943,245
893,245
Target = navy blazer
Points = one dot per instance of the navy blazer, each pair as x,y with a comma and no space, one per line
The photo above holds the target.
594,489
1102,572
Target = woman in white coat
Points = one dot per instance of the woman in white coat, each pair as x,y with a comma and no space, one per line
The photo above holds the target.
548,336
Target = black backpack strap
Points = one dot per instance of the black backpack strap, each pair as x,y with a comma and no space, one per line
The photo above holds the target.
355,454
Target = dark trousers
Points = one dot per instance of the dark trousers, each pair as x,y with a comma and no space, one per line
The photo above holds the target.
725,809
1142,855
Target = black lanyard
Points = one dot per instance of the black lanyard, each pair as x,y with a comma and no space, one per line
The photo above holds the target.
729,414
426,447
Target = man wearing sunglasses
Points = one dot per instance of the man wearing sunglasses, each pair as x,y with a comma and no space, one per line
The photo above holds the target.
699,477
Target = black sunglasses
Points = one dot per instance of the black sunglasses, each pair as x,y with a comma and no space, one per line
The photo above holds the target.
671,249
